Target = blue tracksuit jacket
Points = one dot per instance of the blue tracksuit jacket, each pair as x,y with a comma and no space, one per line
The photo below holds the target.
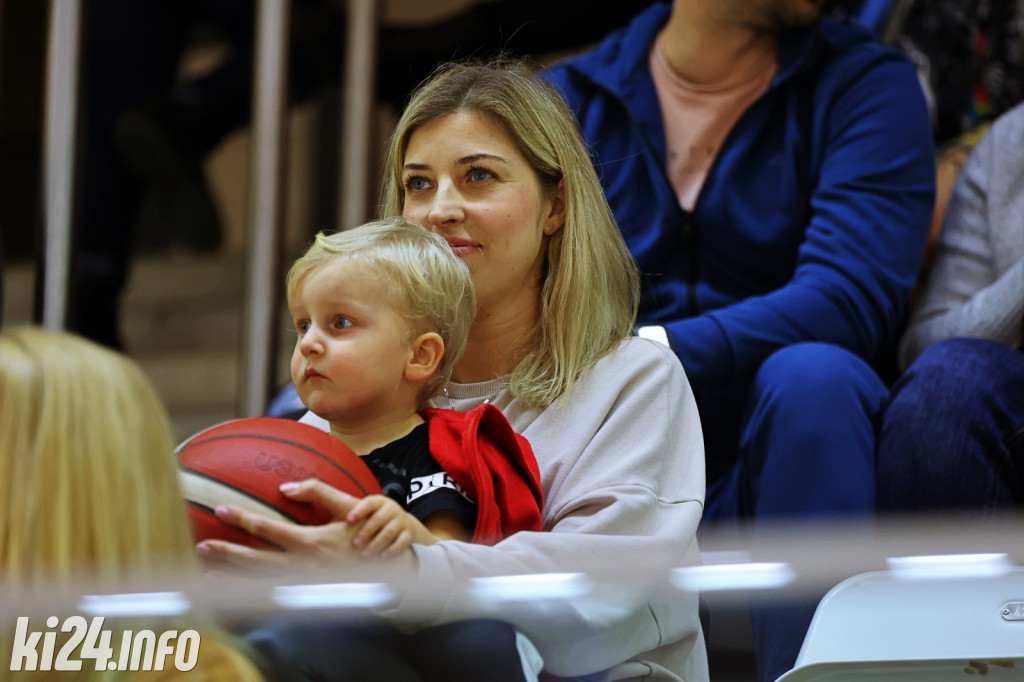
811,223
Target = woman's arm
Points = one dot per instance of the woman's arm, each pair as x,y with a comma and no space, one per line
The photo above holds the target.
966,294
622,466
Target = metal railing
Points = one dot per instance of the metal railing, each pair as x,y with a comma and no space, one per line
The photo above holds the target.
59,145
266,190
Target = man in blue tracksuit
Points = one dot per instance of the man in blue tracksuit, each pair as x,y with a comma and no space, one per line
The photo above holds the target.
783,270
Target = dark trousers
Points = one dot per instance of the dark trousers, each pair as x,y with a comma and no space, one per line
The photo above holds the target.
795,444
327,651
953,433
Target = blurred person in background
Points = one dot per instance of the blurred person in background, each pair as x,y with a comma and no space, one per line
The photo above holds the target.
953,434
89,494
772,171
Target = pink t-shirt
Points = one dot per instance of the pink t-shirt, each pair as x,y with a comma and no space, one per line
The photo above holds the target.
698,118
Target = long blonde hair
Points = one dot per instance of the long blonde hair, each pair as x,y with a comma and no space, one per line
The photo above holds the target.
89,488
430,285
590,291
87,476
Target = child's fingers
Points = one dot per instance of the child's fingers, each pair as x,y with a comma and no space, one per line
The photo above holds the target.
385,539
383,513
365,508
401,543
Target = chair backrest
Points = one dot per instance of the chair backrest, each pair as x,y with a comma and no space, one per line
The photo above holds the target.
874,625
909,671
881,616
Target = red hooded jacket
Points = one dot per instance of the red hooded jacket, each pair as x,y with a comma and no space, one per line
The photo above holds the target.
493,464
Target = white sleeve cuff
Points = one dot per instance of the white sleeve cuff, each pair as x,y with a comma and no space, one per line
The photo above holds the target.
654,332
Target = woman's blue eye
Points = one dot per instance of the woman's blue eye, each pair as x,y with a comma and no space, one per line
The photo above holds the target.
414,184
480,174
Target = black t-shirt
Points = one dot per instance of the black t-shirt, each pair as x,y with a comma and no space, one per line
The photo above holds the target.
410,475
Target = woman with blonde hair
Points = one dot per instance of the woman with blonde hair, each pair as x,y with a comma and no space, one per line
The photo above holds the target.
490,159
89,494
590,287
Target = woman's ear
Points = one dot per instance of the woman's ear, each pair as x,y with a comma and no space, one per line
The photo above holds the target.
555,219
425,353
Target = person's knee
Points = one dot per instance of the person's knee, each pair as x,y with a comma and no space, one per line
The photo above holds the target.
931,374
816,375
955,377
469,650
315,650
952,372
479,634
808,435
952,358
944,439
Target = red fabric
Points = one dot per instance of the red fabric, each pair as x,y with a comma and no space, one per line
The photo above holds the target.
495,466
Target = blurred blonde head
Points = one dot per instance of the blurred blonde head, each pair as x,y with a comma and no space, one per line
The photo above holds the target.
88,482
590,291
89,492
429,285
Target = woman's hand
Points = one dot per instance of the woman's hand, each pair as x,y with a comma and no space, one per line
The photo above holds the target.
326,546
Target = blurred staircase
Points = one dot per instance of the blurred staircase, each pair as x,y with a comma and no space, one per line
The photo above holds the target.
181,321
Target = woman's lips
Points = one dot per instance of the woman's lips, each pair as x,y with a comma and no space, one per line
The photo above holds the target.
462,246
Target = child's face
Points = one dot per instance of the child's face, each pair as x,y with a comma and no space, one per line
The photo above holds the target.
352,346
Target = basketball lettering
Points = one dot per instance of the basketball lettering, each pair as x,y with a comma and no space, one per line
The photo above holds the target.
281,468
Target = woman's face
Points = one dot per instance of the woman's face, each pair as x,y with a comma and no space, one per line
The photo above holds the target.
466,180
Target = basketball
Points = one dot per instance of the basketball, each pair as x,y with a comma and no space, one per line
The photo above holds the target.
242,463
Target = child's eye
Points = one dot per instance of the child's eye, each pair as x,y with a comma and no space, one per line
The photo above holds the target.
302,326
480,174
416,183
343,323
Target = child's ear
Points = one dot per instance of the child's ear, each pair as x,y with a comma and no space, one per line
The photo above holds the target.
425,353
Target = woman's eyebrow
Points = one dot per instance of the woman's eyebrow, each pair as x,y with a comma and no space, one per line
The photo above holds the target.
473,158
464,161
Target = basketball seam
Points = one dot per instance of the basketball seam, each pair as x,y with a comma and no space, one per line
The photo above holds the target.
244,492
209,510
194,443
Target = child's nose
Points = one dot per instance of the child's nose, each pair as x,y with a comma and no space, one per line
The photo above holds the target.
310,343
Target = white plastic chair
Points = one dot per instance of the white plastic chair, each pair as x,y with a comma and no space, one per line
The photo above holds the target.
887,626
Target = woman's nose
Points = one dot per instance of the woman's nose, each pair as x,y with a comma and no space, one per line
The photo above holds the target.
446,207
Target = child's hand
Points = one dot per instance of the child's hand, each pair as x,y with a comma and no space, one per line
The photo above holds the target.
383,528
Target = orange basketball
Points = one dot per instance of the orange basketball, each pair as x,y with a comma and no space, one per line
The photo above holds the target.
243,462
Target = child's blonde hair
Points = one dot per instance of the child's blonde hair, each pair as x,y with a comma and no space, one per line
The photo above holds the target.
429,285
